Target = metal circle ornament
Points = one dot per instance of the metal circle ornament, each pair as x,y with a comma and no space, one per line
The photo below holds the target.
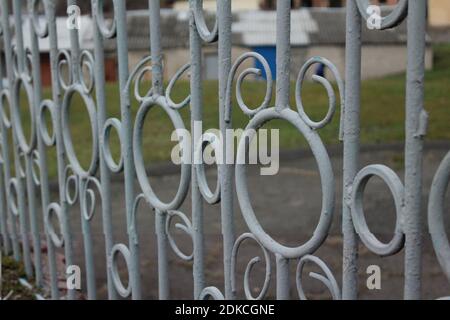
27,146
68,143
123,291
359,220
141,172
326,177
436,215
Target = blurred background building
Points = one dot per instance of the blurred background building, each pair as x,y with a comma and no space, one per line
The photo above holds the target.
318,28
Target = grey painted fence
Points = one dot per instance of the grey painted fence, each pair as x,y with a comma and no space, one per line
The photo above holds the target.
20,214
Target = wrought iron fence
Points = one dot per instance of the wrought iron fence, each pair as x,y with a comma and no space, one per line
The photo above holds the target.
25,178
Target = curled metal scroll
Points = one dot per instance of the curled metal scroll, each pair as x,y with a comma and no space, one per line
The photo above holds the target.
436,215
113,123
13,195
132,228
65,60
108,32
329,88
137,76
392,20
49,140
186,227
86,62
208,36
5,99
170,86
328,280
40,28
210,196
36,168
211,292
88,197
249,71
249,268
71,187
21,165
55,208
359,221
25,74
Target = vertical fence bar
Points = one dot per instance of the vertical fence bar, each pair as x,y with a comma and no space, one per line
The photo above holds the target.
283,285
416,119
31,195
351,148
85,224
3,196
196,115
155,47
5,143
224,27
282,102
126,134
283,54
21,206
157,80
163,259
60,150
3,218
42,154
105,175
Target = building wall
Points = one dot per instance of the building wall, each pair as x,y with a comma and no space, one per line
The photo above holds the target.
271,4
439,13
175,59
377,60
212,5
46,74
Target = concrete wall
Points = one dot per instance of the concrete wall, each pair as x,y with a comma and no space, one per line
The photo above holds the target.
378,60
175,59
211,5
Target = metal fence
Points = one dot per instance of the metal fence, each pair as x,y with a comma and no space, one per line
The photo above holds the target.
24,176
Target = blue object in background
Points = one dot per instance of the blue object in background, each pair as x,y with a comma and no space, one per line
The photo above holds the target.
270,54
320,71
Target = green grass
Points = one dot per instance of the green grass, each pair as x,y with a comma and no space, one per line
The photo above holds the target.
11,272
382,113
